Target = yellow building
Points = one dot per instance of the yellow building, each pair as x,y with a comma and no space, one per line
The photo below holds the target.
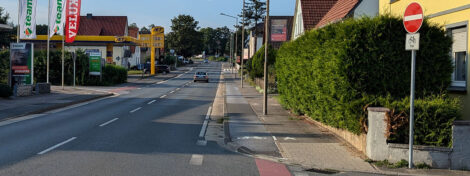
454,16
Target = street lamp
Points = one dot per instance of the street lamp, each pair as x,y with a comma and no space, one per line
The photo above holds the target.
236,38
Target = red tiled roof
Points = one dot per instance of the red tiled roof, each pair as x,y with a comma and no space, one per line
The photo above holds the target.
314,10
103,25
337,12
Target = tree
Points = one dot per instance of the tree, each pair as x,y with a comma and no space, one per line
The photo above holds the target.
133,25
41,29
184,38
215,41
144,30
257,10
5,36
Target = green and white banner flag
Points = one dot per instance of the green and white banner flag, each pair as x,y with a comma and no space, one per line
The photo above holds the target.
57,17
27,19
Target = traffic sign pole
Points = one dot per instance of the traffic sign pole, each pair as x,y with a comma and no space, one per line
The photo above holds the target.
412,109
412,20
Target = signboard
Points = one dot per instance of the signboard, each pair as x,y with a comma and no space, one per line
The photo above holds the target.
21,63
412,42
413,17
279,30
95,63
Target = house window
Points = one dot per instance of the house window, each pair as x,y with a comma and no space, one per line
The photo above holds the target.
459,56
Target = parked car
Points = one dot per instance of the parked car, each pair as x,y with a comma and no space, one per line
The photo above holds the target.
201,76
162,69
206,61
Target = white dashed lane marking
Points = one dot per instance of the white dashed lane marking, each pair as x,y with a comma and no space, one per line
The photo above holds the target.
135,110
108,122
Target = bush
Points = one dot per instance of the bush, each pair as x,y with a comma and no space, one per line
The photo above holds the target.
257,63
82,70
5,91
331,73
434,117
4,66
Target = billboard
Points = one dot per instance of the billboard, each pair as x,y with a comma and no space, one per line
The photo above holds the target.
95,63
21,63
279,30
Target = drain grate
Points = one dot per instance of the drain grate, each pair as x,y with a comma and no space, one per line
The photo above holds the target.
321,171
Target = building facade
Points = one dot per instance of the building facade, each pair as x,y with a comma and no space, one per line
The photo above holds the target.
454,17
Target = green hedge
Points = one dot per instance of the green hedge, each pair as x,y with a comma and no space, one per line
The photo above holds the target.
433,120
111,74
330,73
257,63
4,66
221,59
5,91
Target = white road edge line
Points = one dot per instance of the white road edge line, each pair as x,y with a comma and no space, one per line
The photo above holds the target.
206,122
135,110
163,96
56,146
108,122
153,101
208,115
203,129
274,137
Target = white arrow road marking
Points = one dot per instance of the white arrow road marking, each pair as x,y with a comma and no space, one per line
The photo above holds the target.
196,160
56,146
414,17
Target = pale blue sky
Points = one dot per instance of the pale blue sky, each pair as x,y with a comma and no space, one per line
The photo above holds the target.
159,12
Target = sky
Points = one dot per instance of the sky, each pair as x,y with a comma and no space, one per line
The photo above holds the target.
159,12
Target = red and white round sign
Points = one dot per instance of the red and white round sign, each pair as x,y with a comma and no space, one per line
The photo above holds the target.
413,18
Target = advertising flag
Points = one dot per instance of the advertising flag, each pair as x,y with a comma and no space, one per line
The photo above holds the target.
27,19
72,20
57,17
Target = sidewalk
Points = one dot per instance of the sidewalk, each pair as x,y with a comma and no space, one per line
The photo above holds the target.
299,142
58,98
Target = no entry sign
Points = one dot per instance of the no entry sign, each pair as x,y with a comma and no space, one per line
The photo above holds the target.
413,18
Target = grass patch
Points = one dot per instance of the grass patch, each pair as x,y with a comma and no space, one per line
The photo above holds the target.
388,164
422,166
221,120
134,72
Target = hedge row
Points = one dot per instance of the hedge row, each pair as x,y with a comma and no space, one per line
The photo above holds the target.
256,68
331,73
111,74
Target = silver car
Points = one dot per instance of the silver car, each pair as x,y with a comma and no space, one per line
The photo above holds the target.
201,76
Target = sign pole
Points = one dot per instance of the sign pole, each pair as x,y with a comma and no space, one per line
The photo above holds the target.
48,40
412,102
74,57
18,27
63,55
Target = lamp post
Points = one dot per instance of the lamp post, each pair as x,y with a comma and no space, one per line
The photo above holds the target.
266,32
236,36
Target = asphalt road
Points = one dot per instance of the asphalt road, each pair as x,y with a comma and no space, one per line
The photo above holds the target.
152,130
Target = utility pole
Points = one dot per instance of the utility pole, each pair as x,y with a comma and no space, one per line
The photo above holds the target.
63,55
243,44
266,33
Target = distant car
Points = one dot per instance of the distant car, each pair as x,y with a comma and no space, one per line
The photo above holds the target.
185,61
162,69
201,76
206,61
